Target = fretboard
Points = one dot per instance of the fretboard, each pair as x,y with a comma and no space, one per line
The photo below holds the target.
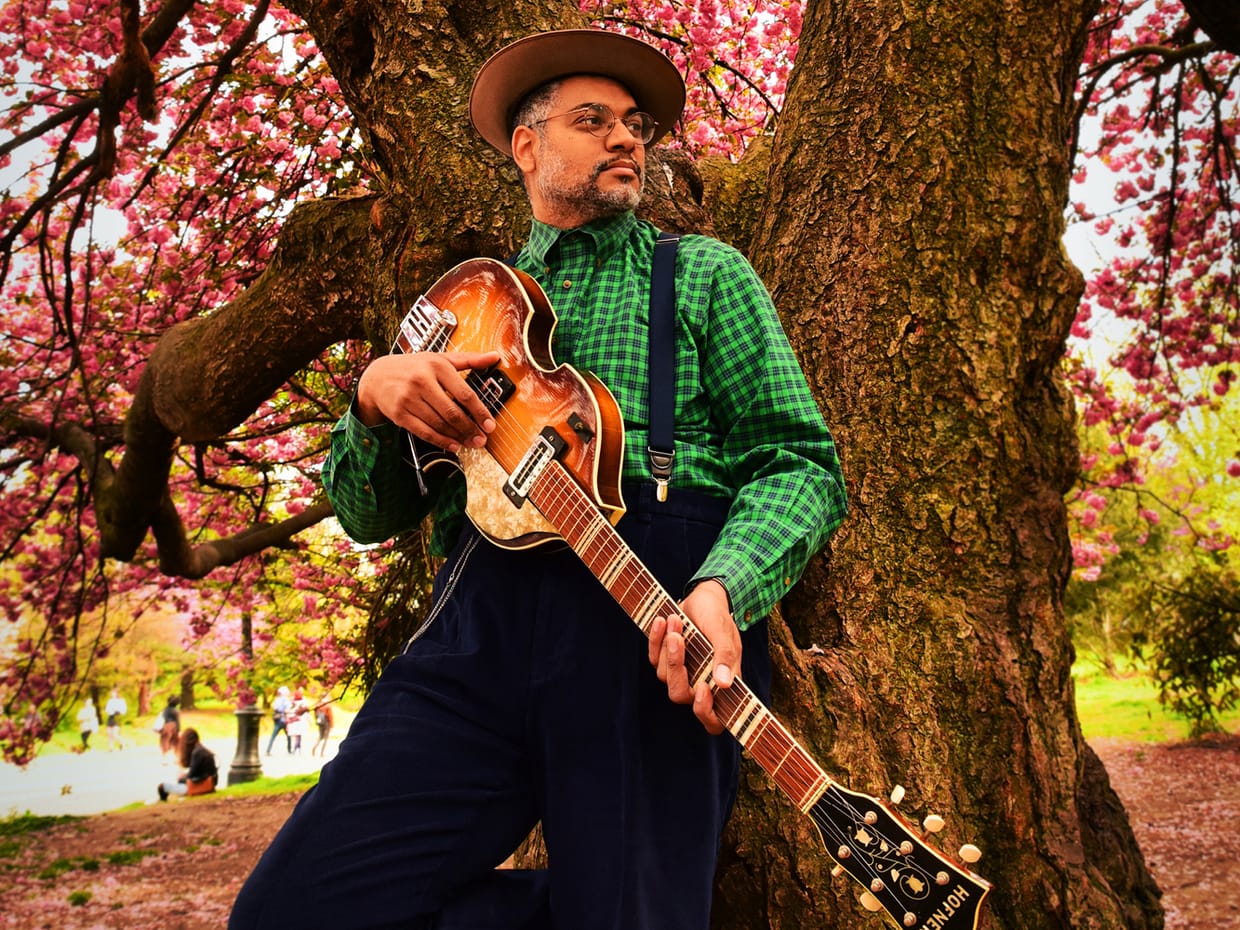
569,509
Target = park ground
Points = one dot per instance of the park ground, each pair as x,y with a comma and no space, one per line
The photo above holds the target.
177,866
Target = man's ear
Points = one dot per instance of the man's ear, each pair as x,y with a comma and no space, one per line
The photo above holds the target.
525,148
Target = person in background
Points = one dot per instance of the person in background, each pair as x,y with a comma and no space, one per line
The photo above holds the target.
88,722
170,731
113,712
200,775
279,720
323,718
298,721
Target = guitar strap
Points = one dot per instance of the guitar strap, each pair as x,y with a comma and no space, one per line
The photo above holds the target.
661,401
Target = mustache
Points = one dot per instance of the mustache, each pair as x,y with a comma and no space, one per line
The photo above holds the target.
619,160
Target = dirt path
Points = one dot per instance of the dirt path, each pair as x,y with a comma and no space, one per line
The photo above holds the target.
1184,804
174,866
178,866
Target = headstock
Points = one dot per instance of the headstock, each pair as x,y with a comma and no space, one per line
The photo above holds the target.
914,883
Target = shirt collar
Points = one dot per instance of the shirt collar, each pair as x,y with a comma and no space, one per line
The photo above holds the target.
608,234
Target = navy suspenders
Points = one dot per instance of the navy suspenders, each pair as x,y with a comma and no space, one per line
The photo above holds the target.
661,399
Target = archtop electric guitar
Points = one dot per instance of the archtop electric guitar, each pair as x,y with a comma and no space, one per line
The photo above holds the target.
550,471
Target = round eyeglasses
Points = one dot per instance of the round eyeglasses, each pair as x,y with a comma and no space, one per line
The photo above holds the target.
598,120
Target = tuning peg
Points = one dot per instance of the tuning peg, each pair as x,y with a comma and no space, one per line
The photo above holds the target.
970,853
869,902
933,823
837,871
897,794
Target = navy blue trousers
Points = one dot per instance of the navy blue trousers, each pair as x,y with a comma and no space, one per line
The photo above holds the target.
529,697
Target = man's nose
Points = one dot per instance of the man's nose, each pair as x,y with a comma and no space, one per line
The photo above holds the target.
620,137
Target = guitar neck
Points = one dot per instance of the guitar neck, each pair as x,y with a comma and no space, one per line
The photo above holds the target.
562,501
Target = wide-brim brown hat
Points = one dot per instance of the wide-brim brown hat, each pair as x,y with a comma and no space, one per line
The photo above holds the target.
515,70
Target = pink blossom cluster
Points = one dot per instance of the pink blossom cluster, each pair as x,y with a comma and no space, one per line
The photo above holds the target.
1168,300
735,58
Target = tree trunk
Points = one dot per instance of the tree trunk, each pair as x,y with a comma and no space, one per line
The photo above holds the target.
912,240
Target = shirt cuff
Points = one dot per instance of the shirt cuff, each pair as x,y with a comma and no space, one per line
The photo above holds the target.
365,441
746,598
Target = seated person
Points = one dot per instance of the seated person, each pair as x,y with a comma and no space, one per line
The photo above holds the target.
200,774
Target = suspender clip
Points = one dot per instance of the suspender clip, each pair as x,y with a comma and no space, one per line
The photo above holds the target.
661,467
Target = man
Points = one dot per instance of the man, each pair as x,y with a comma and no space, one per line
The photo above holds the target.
279,720
528,696
88,722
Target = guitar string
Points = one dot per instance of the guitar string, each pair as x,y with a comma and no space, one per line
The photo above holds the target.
858,865
767,740
895,887
910,864
697,649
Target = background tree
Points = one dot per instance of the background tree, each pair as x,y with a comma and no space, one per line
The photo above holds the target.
919,171
1160,592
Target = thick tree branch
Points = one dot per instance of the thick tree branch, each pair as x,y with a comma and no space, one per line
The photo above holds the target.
180,559
1218,19
206,375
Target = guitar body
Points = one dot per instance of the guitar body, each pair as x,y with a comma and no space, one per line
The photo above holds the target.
496,307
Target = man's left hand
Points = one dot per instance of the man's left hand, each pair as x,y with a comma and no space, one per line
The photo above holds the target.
707,607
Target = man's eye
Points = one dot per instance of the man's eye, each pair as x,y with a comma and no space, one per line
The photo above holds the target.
635,127
589,120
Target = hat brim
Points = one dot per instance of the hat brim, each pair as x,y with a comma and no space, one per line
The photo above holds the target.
515,70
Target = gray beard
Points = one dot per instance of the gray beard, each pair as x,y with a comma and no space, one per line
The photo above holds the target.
586,195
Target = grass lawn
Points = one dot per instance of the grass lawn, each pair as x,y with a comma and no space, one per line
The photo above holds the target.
1126,707
211,722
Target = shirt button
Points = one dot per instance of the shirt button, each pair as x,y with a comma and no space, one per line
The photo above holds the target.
787,581
366,442
748,615
366,488
567,284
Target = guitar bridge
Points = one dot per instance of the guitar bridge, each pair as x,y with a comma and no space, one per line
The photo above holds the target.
542,453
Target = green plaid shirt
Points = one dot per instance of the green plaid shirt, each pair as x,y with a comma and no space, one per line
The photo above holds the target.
747,428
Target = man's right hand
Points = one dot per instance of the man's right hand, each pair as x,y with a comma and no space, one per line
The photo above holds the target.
425,393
